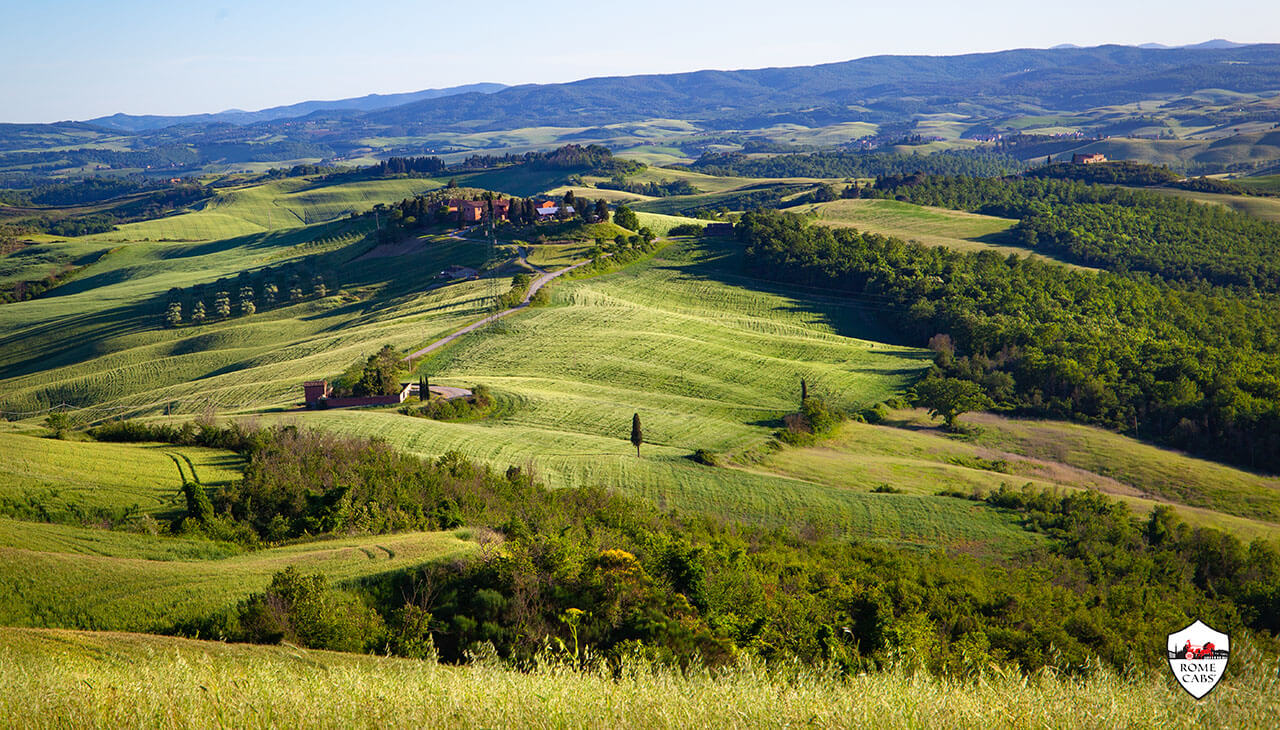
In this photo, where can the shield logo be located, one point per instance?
(1198, 656)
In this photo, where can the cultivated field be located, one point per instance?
(909, 452)
(64, 476)
(74, 577)
(66, 678)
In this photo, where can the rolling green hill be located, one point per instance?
(911, 454)
(934, 226)
(87, 578)
(62, 476)
(924, 224)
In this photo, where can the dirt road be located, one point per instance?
(537, 284)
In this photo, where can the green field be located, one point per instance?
(63, 475)
(924, 224)
(1268, 209)
(1269, 183)
(709, 359)
(912, 454)
(271, 206)
(68, 678)
(73, 577)
(555, 256)
(662, 224)
(100, 341)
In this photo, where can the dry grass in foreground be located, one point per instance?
(78, 679)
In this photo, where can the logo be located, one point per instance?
(1198, 657)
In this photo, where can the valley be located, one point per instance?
(856, 393)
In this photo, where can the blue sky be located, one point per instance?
(74, 59)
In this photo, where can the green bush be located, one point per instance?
(303, 610)
(703, 456)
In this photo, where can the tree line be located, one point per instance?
(1112, 227)
(248, 293)
(1196, 369)
(591, 158)
(663, 189)
(859, 164)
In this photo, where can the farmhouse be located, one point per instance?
(318, 394)
(470, 211)
(1088, 158)
(474, 211)
(548, 209)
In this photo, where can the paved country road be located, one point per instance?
(537, 284)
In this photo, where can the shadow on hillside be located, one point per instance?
(721, 260)
(68, 340)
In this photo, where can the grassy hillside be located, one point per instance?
(924, 224)
(662, 224)
(63, 476)
(912, 454)
(56, 678)
(100, 342)
(1269, 183)
(95, 579)
(709, 359)
(1268, 209)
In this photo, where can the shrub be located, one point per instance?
(703, 456)
(303, 610)
(685, 229)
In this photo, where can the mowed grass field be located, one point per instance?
(72, 678)
(101, 343)
(62, 475)
(909, 452)
(931, 226)
(76, 577)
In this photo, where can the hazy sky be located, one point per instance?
(78, 59)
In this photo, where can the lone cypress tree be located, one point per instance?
(637, 436)
(804, 391)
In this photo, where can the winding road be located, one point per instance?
(538, 283)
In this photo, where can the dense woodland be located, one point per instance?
(859, 164)
(1106, 173)
(592, 158)
(1194, 368)
(1112, 227)
(583, 568)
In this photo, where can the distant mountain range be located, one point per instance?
(877, 89)
(1215, 44)
(1066, 77)
(372, 102)
(985, 92)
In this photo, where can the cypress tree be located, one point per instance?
(637, 436)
